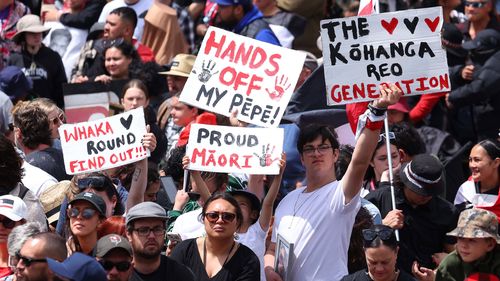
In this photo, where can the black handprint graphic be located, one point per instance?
(265, 159)
(206, 71)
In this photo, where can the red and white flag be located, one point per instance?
(368, 7)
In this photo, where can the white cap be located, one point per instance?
(13, 207)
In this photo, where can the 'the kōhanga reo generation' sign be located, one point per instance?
(404, 48)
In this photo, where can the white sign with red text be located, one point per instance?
(225, 149)
(105, 143)
(404, 48)
(233, 72)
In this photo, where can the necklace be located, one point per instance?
(205, 252)
(296, 210)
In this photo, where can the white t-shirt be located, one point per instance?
(36, 179)
(189, 226)
(467, 193)
(140, 7)
(255, 239)
(319, 225)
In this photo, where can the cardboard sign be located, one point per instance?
(404, 48)
(104, 143)
(225, 149)
(236, 72)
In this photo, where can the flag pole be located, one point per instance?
(389, 161)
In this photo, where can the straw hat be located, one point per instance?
(181, 65)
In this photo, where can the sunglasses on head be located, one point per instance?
(60, 118)
(475, 4)
(225, 216)
(8, 223)
(86, 213)
(96, 182)
(28, 261)
(383, 234)
(382, 136)
(120, 266)
(108, 43)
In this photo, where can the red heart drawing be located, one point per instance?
(390, 26)
(432, 24)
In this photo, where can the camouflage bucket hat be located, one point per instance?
(477, 223)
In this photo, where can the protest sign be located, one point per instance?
(104, 143)
(404, 48)
(225, 149)
(233, 72)
(91, 100)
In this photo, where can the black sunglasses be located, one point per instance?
(8, 223)
(120, 266)
(87, 213)
(384, 234)
(225, 216)
(108, 43)
(475, 4)
(28, 261)
(96, 182)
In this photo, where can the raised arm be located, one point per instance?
(140, 176)
(367, 141)
(267, 204)
(201, 186)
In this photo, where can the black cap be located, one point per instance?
(423, 175)
(94, 199)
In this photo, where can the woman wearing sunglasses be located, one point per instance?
(85, 212)
(381, 251)
(378, 169)
(56, 118)
(217, 256)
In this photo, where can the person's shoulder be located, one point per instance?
(379, 193)
(360, 275)
(404, 276)
(176, 270)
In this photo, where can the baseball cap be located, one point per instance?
(423, 175)
(111, 242)
(78, 267)
(145, 210)
(476, 223)
(401, 106)
(14, 83)
(485, 40)
(181, 65)
(94, 199)
(13, 207)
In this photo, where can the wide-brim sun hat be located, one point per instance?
(29, 23)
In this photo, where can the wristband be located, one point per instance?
(370, 121)
(376, 110)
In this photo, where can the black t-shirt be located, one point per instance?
(51, 161)
(169, 269)
(425, 227)
(243, 265)
(362, 275)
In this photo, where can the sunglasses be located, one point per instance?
(475, 4)
(59, 119)
(28, 261)
(213, 217)
(86, 213)
(381, 137)
(98, 183)
(8, 223)
(108, 43)
(384, 234)
(120, 266)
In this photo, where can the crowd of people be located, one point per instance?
(333, 212)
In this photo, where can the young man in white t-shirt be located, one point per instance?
(318, 218)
